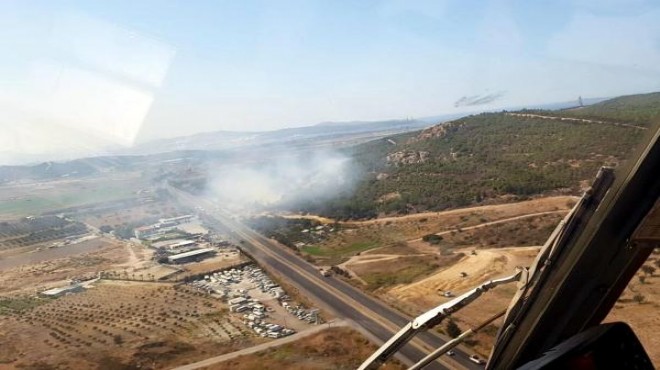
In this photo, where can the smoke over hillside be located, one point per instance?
(288, 179)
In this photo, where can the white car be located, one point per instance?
(477, 360)
(450, 353)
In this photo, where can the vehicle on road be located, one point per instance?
(477, 360)
(451, 353)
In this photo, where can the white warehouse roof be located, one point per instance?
(191, 253)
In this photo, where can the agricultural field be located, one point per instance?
(150, 325)
(18, 236)
(138, 213)
(34, 198)
(56, 266)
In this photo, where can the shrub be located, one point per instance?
(432, 239)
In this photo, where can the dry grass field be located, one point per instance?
(383, 232)
(33, 272)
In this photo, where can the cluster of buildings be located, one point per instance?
(313, 235)
(165, 237)
(163, 226)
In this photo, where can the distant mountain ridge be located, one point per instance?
(203, 146)
(219, 140)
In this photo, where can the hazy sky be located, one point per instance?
(82, 73)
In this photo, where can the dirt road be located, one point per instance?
(502, 221)
(374, 258)
(261, 347)
(548, 204)
(581, 120)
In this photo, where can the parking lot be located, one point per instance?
(262, 304)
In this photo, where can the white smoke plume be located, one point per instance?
(286, 180)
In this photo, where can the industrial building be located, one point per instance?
(182, 244)
(58, 292)
(191, 256)
(175, 220)
(147, 231)
(162, 226)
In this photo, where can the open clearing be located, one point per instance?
(100, 254)
(221, 261)
(488, 264)
(359, 236)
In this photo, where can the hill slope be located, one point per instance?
(641, 109)
(491, 157)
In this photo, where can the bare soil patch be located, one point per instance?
(222, 260)
(488, 264)
(28, 277)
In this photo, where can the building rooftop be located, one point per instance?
(191, 253)
(60, 290)
(182, 243)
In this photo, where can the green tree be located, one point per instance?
(452, 329)
(432, 238)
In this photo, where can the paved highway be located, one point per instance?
(339, 297)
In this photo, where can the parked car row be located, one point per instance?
(222, 284)
(309, 315)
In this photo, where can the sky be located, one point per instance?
(76, 76)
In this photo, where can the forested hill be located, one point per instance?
(492, 157)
